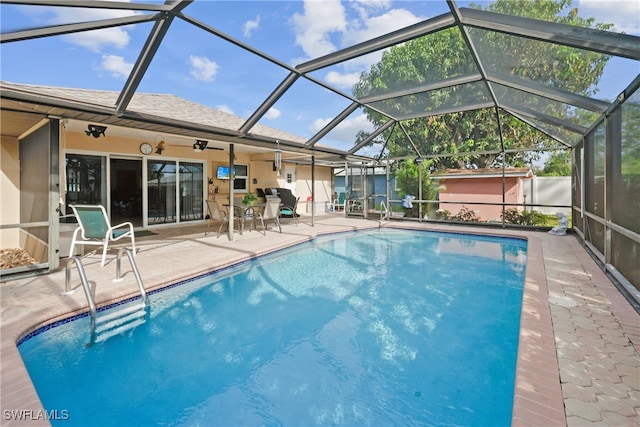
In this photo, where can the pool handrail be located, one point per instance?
(116, 319)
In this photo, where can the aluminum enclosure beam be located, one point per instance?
(400, 36)
(58, 30)
(146, 55)
(604, 42)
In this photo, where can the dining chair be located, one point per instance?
(216, 215)
(271, 212)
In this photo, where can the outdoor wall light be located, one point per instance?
(200, 145)
(95, 130)
(159, 144)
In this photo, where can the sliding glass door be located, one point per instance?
(175, 191)
(191, 178)
(86, 181)
(161, 190)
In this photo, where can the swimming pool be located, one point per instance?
(385, 327)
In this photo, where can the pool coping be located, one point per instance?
(538, 397)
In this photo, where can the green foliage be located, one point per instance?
(408, 181)
(444, 54)
(249, 198)
(443, 214)
(466, 215)
(558, 164)
(515, 216)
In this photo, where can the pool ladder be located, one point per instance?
(116, 321)
(385, 213)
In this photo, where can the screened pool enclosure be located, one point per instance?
(442, 88)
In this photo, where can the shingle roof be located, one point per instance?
(483, 173)
(155, 104)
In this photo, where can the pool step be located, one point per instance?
(113, 332)
(119, 320)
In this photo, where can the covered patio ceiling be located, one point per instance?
(543, 105)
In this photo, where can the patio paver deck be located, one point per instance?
(578, 361)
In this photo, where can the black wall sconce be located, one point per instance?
(95, 130)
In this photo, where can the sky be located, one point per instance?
(198, 67)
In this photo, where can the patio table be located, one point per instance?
(242, 213)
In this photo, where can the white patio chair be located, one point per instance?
(94, 228)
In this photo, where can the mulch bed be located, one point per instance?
(13, 257)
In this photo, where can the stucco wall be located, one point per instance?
(480, 190)
(260, 166)
(9, 191)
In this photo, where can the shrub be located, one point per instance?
(515, 216)
(466, 215)
(443, 214)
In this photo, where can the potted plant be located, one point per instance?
(248, 199)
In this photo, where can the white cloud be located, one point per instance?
(366, 7)
(202, 68)
(326, 27)
(249, 26)
(272, 114)
(98, 40)
(342, 80)
(95, 40)
(625, 14)
(314, 27)
(375, 26)
(116, 66)
(225, 109)
(345, 132)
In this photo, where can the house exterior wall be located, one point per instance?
(262, 171)
(110, 146)
(463, 192)
(10, 191)
(379, 186)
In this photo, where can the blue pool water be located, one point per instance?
(385, 327)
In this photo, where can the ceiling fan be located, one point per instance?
(201, 145)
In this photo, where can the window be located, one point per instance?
(241, 181)
(85, 180)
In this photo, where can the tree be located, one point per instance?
(444, 54)
(408, 181)
(558, 164)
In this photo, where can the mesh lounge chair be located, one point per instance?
(94, 228)
(291, 211)
(216, 215)
(271, 213)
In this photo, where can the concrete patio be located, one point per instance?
(578, 361)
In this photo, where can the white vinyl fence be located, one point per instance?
(548, 190)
